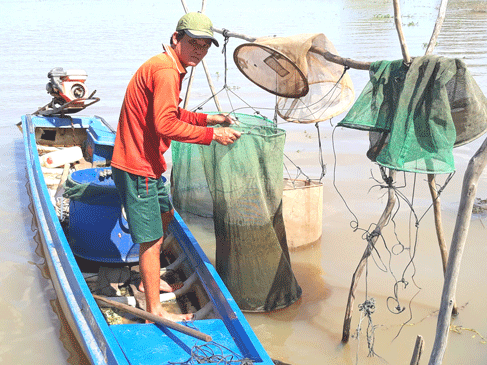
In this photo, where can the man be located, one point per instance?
(149, 119)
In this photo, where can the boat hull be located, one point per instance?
(137, 342)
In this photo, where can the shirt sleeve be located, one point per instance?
(171, 121)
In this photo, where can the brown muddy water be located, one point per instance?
(110, 42)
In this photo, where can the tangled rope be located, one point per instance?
(213, 352)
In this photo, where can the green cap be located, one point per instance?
(197, 25)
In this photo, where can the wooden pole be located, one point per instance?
(402, 40)
(205, 67)
(359, 65)
(390, 202)
(439, 228)
(469, 189)
(418, 350)
(188, 89)
(235, 35)
(431, 177)
(156, 319)
(368, 251)
(437, 28)
(438, 224)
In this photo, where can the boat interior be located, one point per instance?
(117, 278)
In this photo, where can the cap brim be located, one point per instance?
(199, 34)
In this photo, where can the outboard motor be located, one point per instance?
(70, 94)
(68, 85)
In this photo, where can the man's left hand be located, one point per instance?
(223, 119)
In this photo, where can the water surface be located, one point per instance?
(110, 40)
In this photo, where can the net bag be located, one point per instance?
(309, 88)
(245, 181)
(416, 115)
(192, 194)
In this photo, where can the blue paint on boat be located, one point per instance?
(128, 343)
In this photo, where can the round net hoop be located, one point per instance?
(271, 70)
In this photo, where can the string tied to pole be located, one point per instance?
(224, 52)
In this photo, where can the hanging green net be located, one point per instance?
(417, 114)
(245, 184)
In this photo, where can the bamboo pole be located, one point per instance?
(235, 35)
(438, 224)
(152, 317)
(469, 189)
(205, 67)
(191, 75)
(418, 351)
(402, 40)
(359, 65)
(431, 177)
(437, 28)
(188, 89)
(439, 228)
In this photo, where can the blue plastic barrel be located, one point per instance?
(97, 229)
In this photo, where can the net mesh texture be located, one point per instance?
(241, 186)
(417, 114)
(310, 88)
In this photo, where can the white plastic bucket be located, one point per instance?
(302, 207)
(61, 157)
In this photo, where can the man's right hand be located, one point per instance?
(225, 135)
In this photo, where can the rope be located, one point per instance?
(212, 352)
(322, 163)
(394, 301)
(224, 51)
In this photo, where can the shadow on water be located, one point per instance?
(67, 337)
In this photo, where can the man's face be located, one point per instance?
(191, 50)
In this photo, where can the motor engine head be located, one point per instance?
(66, 86)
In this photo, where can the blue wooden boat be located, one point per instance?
(68, 232)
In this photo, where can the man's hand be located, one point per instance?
(225, 135)
(224, 119)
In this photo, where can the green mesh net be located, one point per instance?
(417, 114)
(242, 186)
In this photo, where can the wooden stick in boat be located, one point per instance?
(64, 176)
(156, 319)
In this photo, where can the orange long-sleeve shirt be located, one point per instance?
(150, 118)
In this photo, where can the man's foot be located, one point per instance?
(172, 316)
(163, 286)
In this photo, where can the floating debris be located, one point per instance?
(479, 206)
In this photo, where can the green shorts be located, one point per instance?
(144, 200)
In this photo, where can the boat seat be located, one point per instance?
(99, 145)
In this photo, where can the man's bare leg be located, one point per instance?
(150, 268)
(163, 285)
